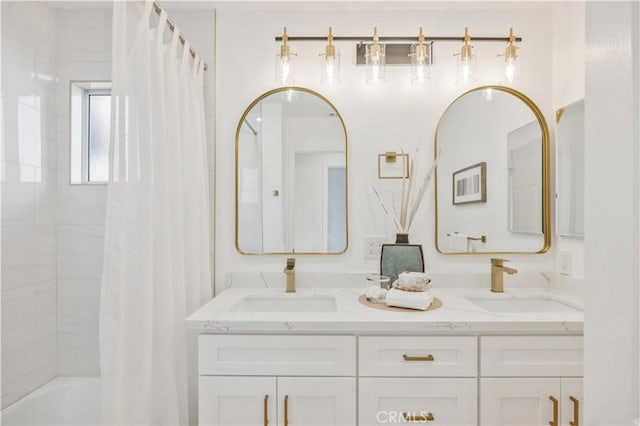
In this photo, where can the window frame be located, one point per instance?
(89, 88)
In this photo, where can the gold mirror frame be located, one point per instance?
(346, 169)
(546, 184)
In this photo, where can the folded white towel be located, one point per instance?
(409, 299)
(458, 242)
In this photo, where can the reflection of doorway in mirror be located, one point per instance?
(315, 197)
(336, 198)
(525, 179)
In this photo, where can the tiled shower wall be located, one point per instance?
(83, 47)
(29, 340)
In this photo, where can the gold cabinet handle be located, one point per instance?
(265, 410)
(418, 358)
(576, 411)
(554, 422)
(413, 418)
(286, 410)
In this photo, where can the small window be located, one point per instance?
(90, 132)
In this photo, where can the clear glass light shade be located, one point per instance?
(375, 62)
(466, 69)
(510, 70)
(284, 70)
(330, 68)
(420, 64)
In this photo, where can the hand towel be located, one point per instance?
(409, 299)
(458, 242)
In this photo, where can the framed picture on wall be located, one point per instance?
(470, 184)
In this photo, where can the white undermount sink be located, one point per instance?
(286, 303)
(530, 305)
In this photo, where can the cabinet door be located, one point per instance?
(310, 401)
(433, 401)
(571, 402)
(518, 401)
(226, 401)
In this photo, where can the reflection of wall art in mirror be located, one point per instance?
(392, 165)
(470, 184)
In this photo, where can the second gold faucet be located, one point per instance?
(497, 276)
(290, 272)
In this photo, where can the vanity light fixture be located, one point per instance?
(420, 61)
(465, 68)
(330, 62)
(375, 60)
(284, 62)
(510, 67)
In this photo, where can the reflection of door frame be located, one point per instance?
(325, 198)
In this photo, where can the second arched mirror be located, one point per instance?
(492, 179)
(291, 175)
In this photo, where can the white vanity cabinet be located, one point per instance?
(418, 379)
(277, 380)
(530, 380)
(439, 380)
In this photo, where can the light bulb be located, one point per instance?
(284, 63)
(330, 62)
(375, 60)
(466, 63)
(420, 61)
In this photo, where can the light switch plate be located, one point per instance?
(373, 246)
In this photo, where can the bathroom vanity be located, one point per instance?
(319, 356)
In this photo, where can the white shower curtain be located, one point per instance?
(157, 246)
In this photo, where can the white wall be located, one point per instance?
(390, 117)
(569, 86)
(29, 344)
(612, 213)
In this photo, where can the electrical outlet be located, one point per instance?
(565, 263)
(373, 246)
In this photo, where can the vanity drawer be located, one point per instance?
(437, 401)
(531, 356)
(261, 355)
(418, 356)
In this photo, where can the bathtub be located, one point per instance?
(62, 401)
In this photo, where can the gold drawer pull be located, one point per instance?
(286, 410)
(265, 410)
(418, 358)
(576, 412)
(554, 422)
(413, 418)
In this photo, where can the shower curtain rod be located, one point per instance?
(172, 27)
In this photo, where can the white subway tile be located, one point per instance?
(80, 204)
(45, 197)
(78, 354)
(84, 35)
(78, 306)
(80, 249)
(18, 194)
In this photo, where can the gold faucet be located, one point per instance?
(497, 277)
(290, 271)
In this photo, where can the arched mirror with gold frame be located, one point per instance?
(492, 183)
(291, 175)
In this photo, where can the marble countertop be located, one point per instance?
(457, 315)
